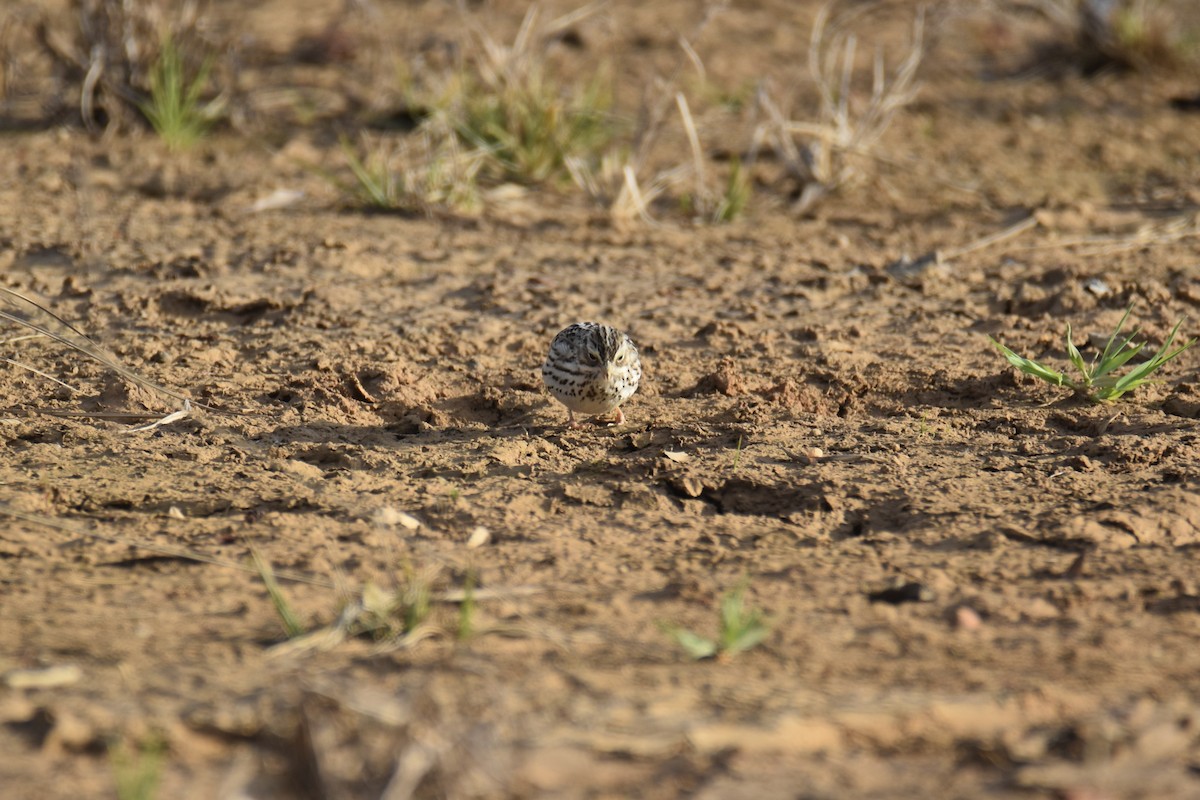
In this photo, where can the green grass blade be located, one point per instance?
(138, 772)
(740, 629)
(417, 604)
(1140, 374)
(1163, 354)
(192, 100)
(1117, 360)
(1076, 358)
(1031, 367)
(748, 638)
(291, 623)
(696, 646)
(736, 196)
(1117, 332)
(372, 186)
(731, 608)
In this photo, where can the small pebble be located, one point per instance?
(390, 517)
(479, 537)
(967, 619)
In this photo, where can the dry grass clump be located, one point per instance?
(627, 181)
(837, 145)
(495, 114)
(40, 322)
(625, 185)
(621, 180)
(1129, 34)
(502, 103)
(123, 61)
(505, 101)
(421, 173)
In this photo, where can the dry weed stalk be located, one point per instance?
(518, 62)
(113, 48)
(615, 186)
(841, 147)
(26, 313)
(620, 182)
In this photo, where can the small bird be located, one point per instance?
(592, 369)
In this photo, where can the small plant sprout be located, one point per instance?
(740, 629)
(390, 615)
(287, 615)
(736, 196)
(137, 771)
(374, 184)
(1099, 381)
(174, 108)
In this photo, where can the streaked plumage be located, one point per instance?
(592, 369)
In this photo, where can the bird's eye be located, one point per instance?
(591, 357)
(619, 359)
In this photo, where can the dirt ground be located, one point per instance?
(977, 585)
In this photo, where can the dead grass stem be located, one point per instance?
(840, 145)
(27, 313)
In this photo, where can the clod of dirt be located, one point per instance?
(121, 395)
(726, 379)
(688, 485)
(799, 397)
(333, 45)
(1183, 402)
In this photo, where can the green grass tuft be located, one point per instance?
(529, 125)
(736, 196)
(421, 177)
(1098, 380)
(137, 772)
(174, 108)
(740, 629)
(392, 614)
(287, 615)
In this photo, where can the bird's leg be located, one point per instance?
(573, 423)
(620, 420)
